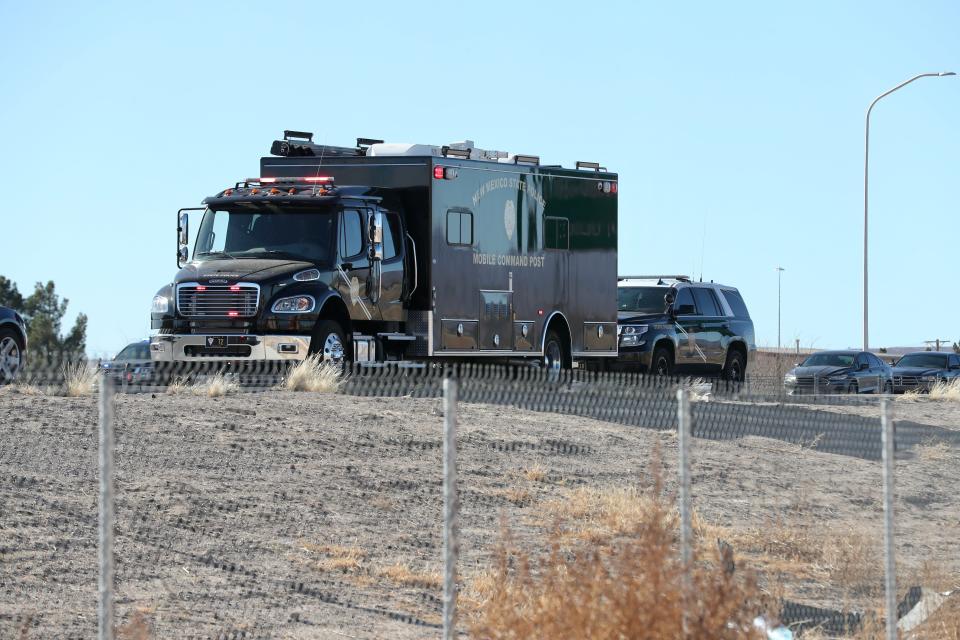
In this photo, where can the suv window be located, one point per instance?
(735, 300)
(955, 361)
(706, 303)
(874, 361)
(684, 303)
(351, 234)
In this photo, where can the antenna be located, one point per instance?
(703, 244)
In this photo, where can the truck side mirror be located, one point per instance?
(183, 229)
(183, 238)
(375, 235)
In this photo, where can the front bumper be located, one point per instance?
(194, 348)
(820, 386)
(632, 359)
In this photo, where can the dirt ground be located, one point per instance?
(308, 515)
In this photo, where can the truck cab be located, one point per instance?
(277, 262)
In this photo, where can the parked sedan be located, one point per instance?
(840, 372)
(132, 366)
(921, 370)
(13, 344)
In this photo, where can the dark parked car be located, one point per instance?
(921, 370)
(848, 371)
(13, 344)
(132, 366)
(668, 324)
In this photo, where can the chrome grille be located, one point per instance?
(218, 301)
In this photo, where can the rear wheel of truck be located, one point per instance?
(554, 353)
(329, 342)
(11, 355)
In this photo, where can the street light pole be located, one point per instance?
(866, 169)
(780, 271)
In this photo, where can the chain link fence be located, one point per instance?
(244, 509)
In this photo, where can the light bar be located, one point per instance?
(283, 180)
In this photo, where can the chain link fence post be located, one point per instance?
(684, 431)
(889, 560)
(451, 507)
(105, 523)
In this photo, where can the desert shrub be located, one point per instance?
(623, 580)
(78, 379)
(313, 374)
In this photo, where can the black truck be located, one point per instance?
(397, 252)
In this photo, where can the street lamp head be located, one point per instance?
(946, 73)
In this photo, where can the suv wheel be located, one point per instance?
(11, 355)
(662, 362)
(734, 369)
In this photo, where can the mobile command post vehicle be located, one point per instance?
(397, 252)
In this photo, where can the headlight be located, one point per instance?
(296, 304)
(161, 304)
(630, 334)
(790, 378)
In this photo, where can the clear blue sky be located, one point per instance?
(737, 123)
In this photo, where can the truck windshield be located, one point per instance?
(297, 235)
(641, 299)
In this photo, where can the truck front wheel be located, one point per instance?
(11, 355)
(329, 342)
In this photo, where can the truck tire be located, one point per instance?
(11, 355)
(330, 342)
(734, 369)
(555, 355)
(661, 364)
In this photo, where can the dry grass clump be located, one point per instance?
(334, 557)
(949, 391)
(795, 546)
(933, 450)
(602, 513)
(630, 586)
(535, 473)
(78, 379)
(941, 390)
(313, 374)
(403, 575)
(216, 386)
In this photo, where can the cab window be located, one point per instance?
(351, 234)
(392, 236)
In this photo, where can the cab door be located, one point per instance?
(690, 353)
(353, 266)
(391, 287)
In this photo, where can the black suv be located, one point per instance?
(13, 344)
(668, 324)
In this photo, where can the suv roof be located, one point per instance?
(664, 281)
